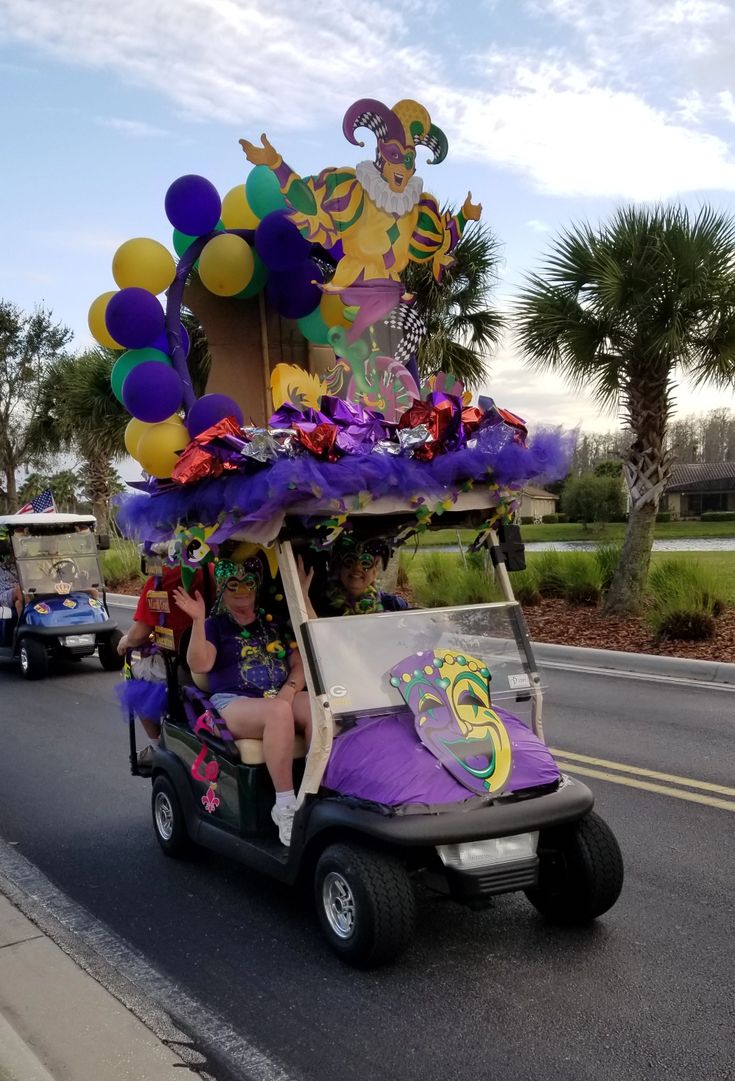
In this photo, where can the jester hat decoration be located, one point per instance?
(449, 696)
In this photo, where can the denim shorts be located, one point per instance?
(221, 701)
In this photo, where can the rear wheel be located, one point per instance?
(366, 904)
(33, 659)
(110, 659)
(168, 819)
(580, 872)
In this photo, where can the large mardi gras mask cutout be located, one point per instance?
(374, 220)
(449, 695)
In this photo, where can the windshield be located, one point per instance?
(358, 660)
(57, 562)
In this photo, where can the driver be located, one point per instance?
(353, 588)
(10, 594)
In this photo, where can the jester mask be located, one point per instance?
(449, 696)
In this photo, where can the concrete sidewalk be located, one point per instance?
(58, 1024)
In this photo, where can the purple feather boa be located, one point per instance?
(255, 502)
(142, 697)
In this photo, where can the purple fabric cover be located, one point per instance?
(382, 760)
(142, 697)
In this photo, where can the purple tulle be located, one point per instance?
(255, 501)
(142, 697)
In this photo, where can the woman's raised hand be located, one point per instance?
(193, 607)
(305, 576)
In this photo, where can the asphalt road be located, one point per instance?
(647, 992)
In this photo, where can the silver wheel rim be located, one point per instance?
(164, 813)
(339, 904)
(23, 659)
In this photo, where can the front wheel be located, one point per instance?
(366, 904)
(110, 659)
(168, 819)
(33, 659)
(580, 872)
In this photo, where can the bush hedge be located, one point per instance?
(718, 516)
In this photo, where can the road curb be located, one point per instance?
(638, 663)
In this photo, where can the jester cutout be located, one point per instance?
(375, 218)
(449, 696)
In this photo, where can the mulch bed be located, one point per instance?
(571, 625)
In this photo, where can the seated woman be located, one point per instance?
(256, 682)
(352, 588)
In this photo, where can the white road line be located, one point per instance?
(647, 786)
(127, 975)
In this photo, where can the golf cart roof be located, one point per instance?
(389, 513)
(47, 519)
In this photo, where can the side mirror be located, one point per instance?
(103, 542)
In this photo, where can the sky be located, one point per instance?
(556, 111)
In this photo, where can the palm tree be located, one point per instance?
(619, 311)
(461, 327)
(81, 413)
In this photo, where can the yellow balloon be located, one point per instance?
(237, 212)
(143, 263)
(96, 321)
(137, 428)
(226, 264)
(333, 311)
(157, 447)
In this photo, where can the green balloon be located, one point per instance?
(182, 241)
(263, 191)
(124, 365)
(313, 327)
(258, 280)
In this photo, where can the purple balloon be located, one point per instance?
(279, 243)
(211, 409)
(134, 317)
(292, 292)
(152, 392)
(193, 205)
(161, 341)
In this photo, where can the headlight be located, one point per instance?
(79, 640)
(489, 853)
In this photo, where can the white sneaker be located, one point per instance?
(283, 818)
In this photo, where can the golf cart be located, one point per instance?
(64, 615)
(416, 774)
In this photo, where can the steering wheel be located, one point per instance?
(64, 570)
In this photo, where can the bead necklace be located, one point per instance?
(256, 636)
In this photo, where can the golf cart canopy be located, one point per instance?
(52, 520)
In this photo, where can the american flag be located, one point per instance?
(42, 504)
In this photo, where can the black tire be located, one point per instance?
(168, 819)
(580, 874)
(33, 659)
(110, 659)
(366, 904)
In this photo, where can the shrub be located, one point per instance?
(607, 557)
(527, 520)
(440, 579)
(549, 572)
(525, 587)
(553, 519)
(664, 516)
(582, 579)
(121, 563)
(718, 516)
(686, 600)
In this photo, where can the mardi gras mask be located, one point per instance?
(350, 553)
(449, 696)
(239, 577)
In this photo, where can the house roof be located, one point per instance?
(702, 476)
(538, 493)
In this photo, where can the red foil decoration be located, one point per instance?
(320, 441)
(196, 464)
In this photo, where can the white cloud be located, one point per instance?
(538, 226)
(137, 129)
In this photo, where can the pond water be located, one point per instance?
(680, 544)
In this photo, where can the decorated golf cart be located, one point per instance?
(427, 761)
(63, 612)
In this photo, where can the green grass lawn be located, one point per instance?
(573, 531)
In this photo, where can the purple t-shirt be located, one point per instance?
(244, 666)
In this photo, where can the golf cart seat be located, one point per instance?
(250, 750)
